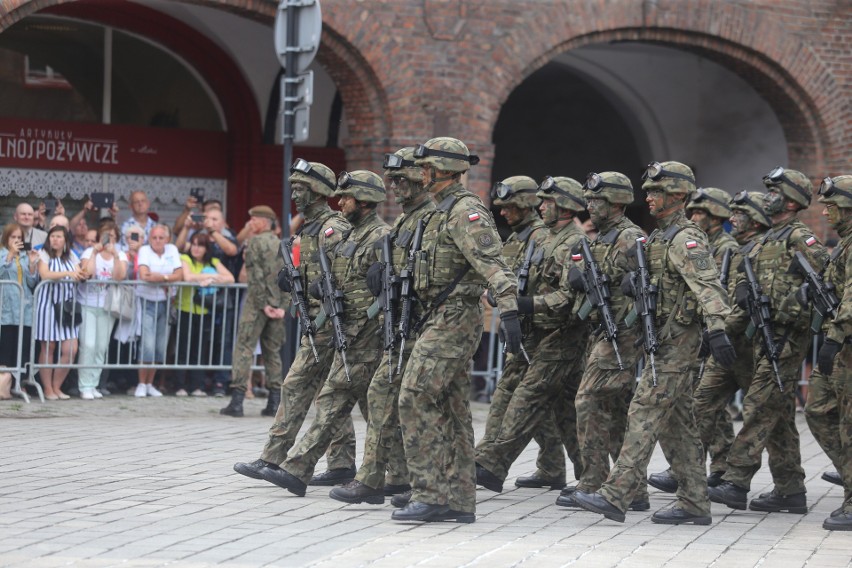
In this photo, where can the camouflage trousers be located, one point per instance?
(298, 391)
(769, 421)
(536, 400)
(434, 410)
(383, 449)
(254, 326)
(334, 404)
(663, 412)
(715, 389)
(829, 415)
(602, 403)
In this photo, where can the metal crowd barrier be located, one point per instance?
(207, 339)
(19, 369)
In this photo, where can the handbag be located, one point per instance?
(120, 302)
(69, 313)
(209, 298)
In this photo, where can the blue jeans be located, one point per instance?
(155, 319)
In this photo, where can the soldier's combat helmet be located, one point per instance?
(401, 163)
(792, 184)
(565, 191)
(670, 177)
(751, 203)
(445, 154)
(363, 185)
(614, 187)
(714, 201)
(837, 190)
(317, 176)
(519, 191)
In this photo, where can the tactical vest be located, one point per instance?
(675, 301)
(440, 261)
(835, 272)
(545, 275)
(770, 266)
(605, 254)
(356, 296)
(516, 245)
(309, 267)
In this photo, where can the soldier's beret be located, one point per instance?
(264, 211)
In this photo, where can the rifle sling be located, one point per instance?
(440, 299)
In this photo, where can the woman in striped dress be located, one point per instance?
(61, 266)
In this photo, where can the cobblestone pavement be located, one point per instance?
(148, 482)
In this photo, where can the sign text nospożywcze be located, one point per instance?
(57, 146)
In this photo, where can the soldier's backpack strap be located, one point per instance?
(524, 235)
(784, 234)
(610, 237)
(311, 229)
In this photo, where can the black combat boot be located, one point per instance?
(272, 402)
(235, 407)
(775, 502)
(664, 481)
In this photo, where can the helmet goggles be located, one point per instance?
(304, 167)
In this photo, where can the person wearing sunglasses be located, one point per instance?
(536, 399)
(605, 387)
(383, 470)
(829, 407)
(769, 409)
(360, 192)
(462, 255)
(312, 184)
(718, 385)
(680, 265)
(709, 208)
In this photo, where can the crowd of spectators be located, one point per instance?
(178, 311)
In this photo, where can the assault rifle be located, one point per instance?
(761, 319)
(406, 294)
(724, 271)
(297, 294)
(332, 304)
(388, 300)
(820, 294)
(596, 284)
(524, 280)
(645, 305)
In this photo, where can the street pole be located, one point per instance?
(289, 127)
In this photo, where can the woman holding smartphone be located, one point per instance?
(61, 266)
(18, 265)
(102, 261)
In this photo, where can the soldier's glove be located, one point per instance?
(704, 348)
(511, 331)
(826, 355)
(575, 279)
(721, 348)
(627, 285)
(741, 295)
(315, 290)
(374, 279)
(284, 281)
(802, 295)
(526, 304)
(489, 297)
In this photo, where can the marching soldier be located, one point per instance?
(681, 271)
(709, 208)
(354, 364)
(460, 255)
(312, 183)
(532, 398)
(607, 384)
(769, 406)
(829, 407)
(383, 442)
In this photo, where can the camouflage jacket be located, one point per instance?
(263, 262)
(322, 226)
(551, 302)
(461, 238)
(838, 272)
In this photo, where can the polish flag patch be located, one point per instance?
(642, 239)
(329, 232)
(576, 257)
(811, 241)
(691, 244)
(473, 217)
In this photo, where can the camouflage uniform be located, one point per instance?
(306, 376)
(383, 441)
(531, 399)
(433, 410)
(263, 262)
(769, 414)
(829, 407)
(605, 390)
